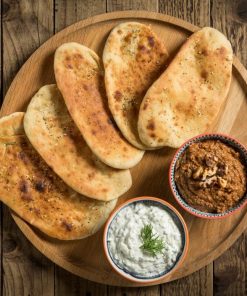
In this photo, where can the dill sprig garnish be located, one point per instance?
(151, 243)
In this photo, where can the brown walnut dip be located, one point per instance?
(210, 176)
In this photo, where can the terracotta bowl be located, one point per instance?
(177, 218)
(179, 198)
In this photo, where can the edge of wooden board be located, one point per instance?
(27, 230)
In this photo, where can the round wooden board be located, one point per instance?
(208, 239)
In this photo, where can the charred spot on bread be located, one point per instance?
(118, 95)
(78, 56)
(151, 41)
(142, 48)
(205, 52)
(40, 186)
(23, 186)
(128, 37)
(36, 211)
(204, 74)
(145, 106)
(151, 125)
(26, 197)
(222, 50)
(21, 155)
(68, 226)
(91, 175)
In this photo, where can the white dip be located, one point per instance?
(124, 239)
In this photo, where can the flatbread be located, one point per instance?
(133, 58)
(12, 125)
(31, 189)
(187, 98)
(80, 79)
(52, 132)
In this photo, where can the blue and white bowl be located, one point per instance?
(178, 219)
(179, 198)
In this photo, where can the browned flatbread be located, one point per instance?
(31, 189)
(187, 97)
(80, 79)
(54, 135)
(133, 58)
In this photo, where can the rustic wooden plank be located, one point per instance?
(230, 269)
(230, 17)
(114, 5)
(198, 13)
(199, 283)
(26, 24)
(68, 12)
(194, 11)
(26, 271)
(69, 284)
(148, 291)
(178, 8)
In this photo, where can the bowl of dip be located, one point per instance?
(145, 239)
(208, 176)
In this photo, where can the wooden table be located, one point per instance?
(26, 24)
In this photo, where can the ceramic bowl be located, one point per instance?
(179, 198)
(177, 218)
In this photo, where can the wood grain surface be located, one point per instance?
(26, 25)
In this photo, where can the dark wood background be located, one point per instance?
(25, 25)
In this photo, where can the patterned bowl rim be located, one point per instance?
(216, 136)
(178, 262)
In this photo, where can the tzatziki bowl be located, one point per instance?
(145, 239)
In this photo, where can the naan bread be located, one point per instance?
(11, 125)
(80, 79)
(133, 58)
(187, 98)
(54, 135)
(31, 189)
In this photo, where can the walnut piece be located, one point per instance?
(209, 172)
(208, 182)
(197, 174)
(222, 169)
(222, 182)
